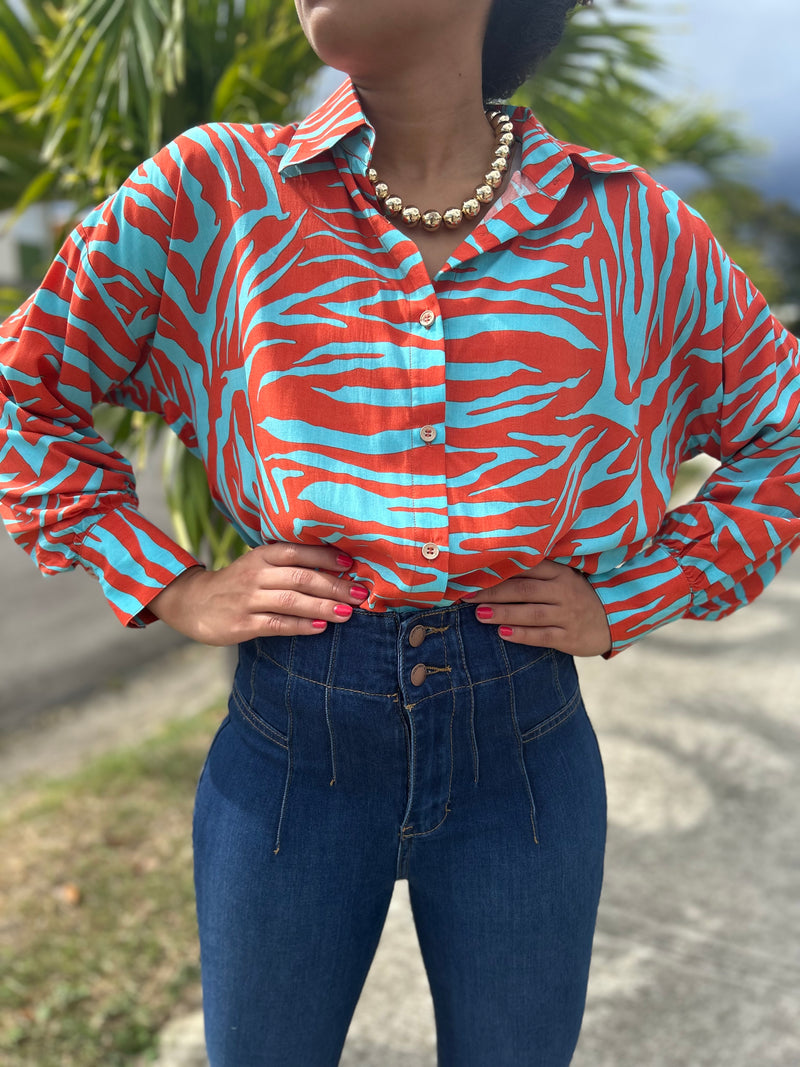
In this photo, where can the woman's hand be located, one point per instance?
(552, 606)
(279, 589)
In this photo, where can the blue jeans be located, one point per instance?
(417, 746)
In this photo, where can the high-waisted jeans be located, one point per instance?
(399, 745)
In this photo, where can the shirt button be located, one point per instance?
(428, 434)
(430, 551)
(427, 319)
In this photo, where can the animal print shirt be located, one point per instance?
(531, 401)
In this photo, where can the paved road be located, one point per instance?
(58, 637)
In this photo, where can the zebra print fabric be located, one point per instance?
(531, 401)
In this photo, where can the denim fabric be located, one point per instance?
(335, 774)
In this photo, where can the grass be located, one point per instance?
(98, 946)
(10, 299)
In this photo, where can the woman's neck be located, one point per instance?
(427, 128)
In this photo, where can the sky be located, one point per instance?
(742, 58)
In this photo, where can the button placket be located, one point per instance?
(429, 433)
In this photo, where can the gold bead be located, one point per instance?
(372, 174)
(501, 164)
(494, 178)
(392, 205)
(500, 118)
(505, 138)
(453, 217)
(471, 208)
(431, 221)
(485, 193)
(381, 190)
(502, 150)
(505, 127)
(411, 216)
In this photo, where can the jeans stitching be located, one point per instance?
(405, 833)
(268, 731)
(471, 687)
(396, 704)
(520, 747)
(316, 681)
(555, 673)
(252, 700)
(388, 696)
(253, 720)
(328, 690)
(411, 765)
(452, 717)
(423, 833)
(555, 720)
(289, 761)
(225, 722)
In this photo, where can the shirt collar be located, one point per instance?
(334, 121)
(548, 165)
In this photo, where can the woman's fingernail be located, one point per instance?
(359, 593)
(344, 611)
(485, 613)
(505, 631)
(469, 596)
(319, 624)
(344, 560)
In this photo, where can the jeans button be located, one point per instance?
(419, 674)
(417, 636)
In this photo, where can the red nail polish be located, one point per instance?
(505, 631)
(344, 611)
(469, 596)
(358, 593)
(485, 613)
(319, 624)
(345, 562)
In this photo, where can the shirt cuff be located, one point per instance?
(133, 560)
(648, 591)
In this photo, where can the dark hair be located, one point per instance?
(519, 35)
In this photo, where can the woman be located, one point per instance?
(451, 443)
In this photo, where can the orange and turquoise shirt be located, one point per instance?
(531, 401)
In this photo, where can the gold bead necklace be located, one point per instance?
(393, 208)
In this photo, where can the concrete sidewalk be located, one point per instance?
(697, 955)
(697, 958)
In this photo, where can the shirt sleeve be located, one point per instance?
(66, 496)
(719, 551)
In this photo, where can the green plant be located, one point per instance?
(597, 89)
